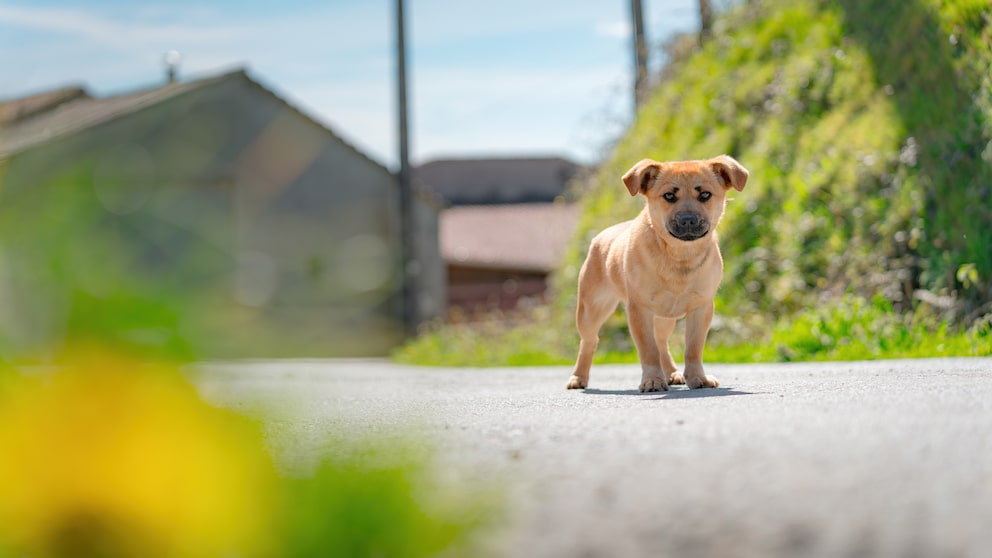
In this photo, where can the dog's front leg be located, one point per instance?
(641, 321)
(697, 325)
(663, 328)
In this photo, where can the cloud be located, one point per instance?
(119, 34)
(613, 29)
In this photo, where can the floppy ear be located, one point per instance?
(640, 175)
(729, 171)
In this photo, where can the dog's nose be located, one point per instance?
(688, 220)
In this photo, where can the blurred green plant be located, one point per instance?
(71, 270)
(383, 504)
(106, 456)
(155, 267)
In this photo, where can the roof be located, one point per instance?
(79, 113)
(498, 180)
(39, 118)
(18, 109)
(521, 237)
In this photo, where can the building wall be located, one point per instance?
(432, 276)
(474, 289)
(267, 233)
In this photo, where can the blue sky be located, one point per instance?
(507, 77)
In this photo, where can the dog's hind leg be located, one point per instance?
(590, 314)
(663, 328)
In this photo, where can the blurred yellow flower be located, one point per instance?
(111, 457)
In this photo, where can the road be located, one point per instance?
(888, 458)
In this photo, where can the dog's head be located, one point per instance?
(687, 197)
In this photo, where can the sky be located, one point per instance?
(486, 77)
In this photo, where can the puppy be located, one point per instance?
(664, 265)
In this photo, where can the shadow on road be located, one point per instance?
(674, 393)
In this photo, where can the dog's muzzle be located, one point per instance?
(688, 226)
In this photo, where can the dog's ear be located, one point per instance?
(729, 171)
(640, 176)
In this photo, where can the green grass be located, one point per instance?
(851, 328)
(496, 341)
(854, 329)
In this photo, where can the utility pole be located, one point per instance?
(640, 53)
(408, 261)
(705, 20)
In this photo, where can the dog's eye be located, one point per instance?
(703, 196)
(669, 197)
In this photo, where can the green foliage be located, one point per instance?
(935, 58)
(855, 329)
(383, 504)
(495, 341)
(154, 269)
(79, 275)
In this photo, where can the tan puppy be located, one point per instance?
(663, 265)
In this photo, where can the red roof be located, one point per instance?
(521, 237)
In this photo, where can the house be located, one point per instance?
(209, 212)
(500, 255)
(498, 180)
(506, 229)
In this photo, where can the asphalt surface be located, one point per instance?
(889, 458)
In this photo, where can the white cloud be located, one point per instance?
(613, 29)
(119, 34)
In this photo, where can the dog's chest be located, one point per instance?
(673, 294)
(673, 305)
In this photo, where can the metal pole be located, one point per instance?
(640, 52)
(407, 229)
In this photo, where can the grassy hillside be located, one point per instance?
(864, 141)
(866, 228)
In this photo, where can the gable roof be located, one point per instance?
(519, 237)
(497, 180)
(82, 112)
(43, 117)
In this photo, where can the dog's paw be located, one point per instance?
(702, 381)
(676, 379)
(576, 382)
(653, 383)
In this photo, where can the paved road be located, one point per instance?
(890, 458)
